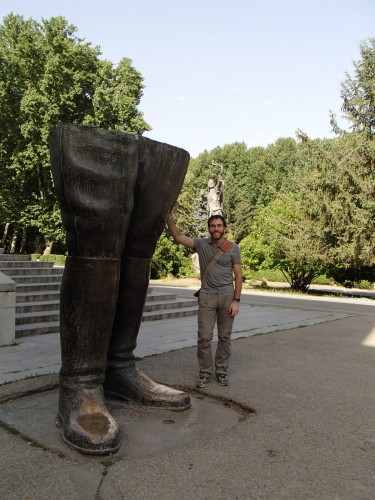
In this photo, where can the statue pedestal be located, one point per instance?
(195, 261)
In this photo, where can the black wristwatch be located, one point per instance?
(237, 299)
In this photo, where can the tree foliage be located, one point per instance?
(326, 223)
(49, 75)
(285, 237)
(252, 178)
(358, 91)
(339, 191)
(170, 259)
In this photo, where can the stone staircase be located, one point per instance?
(38, 297)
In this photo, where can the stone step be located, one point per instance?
(38, 317)
(41, 328)
(38, 287)
(33, 311)
(14, 272)
(37, 292)
(159, 296)
(38, 279)
(169, 313)
(41, 295)
(24, 330)
(4, 257)
(37, 306)
(169, 304)
(38, 297)
(24, 264)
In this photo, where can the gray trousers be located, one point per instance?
(213, 308)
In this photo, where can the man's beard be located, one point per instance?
(217, 235)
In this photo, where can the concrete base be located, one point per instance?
(7, 310)
(145, 431)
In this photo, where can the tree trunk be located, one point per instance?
(23, 240)
(14, 241)
(5, 235)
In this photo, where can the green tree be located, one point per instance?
(117, 95)
(170, 259)
(339, 192)
(269, 171)
(358, 92)
(353, 250)
(285, 236)
(327, 221)
(47, 76)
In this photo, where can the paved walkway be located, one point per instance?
(312, 436)
(40, 354)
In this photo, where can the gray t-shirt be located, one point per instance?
(220, 277)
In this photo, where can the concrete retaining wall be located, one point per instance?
(7, 310)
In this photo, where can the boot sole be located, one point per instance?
(87, 451)
(166, 405)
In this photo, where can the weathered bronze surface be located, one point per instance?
(115, 192)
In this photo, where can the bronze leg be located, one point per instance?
(123, 379)
(162, 170)
(94, 173)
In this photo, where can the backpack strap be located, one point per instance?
(226, 246)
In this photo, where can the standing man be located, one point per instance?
(219, 302)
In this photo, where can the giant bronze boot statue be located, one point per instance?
(160, 180)
(115, 191)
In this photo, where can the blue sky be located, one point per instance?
(218, 72)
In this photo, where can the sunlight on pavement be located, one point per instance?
(369, 341)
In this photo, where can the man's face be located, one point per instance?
(216, 229)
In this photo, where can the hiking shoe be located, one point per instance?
(201, 381)
(222, 379)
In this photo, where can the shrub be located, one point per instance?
(59, 260)
(323, 280)
(350, 277)
(35, 256)
(265, 274)
(364, 285)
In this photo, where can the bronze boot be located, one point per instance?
(123, 379)
(88, 298)
(94, 170)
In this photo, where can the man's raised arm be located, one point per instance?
(177, 236)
